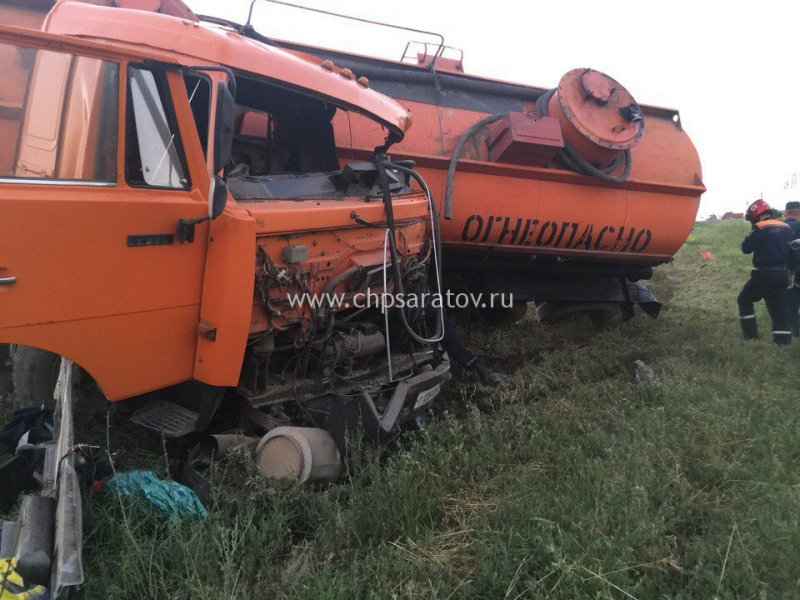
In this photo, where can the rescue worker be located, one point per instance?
(456, 350)
(451, 341)
(768, 242)
(792, 219)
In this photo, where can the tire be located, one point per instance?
(35, 373)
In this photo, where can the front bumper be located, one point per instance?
(410, 397)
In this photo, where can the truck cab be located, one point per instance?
(167, 187)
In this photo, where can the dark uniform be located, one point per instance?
(451, 341)
(768, 242)
(793, 293)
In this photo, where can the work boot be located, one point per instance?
(782, 338)
(488, 376)
(749, 328)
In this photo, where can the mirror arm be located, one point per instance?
(184, 232)
(226, 70)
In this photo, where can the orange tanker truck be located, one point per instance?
(145, 238)
(565, 196)
(168, 183)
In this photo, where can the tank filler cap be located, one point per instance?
(600, 108)
(597, 86)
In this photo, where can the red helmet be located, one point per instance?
(756, 209)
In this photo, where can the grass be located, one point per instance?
(573, 483)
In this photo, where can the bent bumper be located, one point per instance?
(409, 398)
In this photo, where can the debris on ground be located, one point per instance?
(185, 470)
(14, 478)
(298, 455)
(643, 373)
(28, 426)
(22, 442)
(177, 501)
(13, 586)
(32, 538)
(707, 254)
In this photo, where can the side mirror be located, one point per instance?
(217, 197)
(223, 129)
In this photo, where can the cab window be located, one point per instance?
(153, 151)
(58, 116)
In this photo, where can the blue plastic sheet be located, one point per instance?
(177, 501)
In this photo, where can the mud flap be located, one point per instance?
(641, 295)
(61, 481)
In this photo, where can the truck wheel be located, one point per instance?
(35, 373)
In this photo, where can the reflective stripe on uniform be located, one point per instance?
(748, 317)
(781, 333)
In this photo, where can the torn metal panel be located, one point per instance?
(62, 482)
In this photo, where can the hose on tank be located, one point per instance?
(570, 157)
(451, 171)
(381, 164)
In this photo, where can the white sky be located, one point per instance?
(730, 68)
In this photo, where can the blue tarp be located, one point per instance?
(177, 501)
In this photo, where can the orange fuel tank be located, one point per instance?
(639, 212)
(579, 176)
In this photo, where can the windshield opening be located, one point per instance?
(280, 132)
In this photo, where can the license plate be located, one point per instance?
(425, 397)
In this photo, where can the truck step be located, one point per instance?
(168, 418)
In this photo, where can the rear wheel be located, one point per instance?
(35, 373)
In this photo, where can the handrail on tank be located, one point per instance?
(436, 56)
(439, 51)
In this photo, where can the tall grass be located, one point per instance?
(573, 483)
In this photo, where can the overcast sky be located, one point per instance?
(729, 68)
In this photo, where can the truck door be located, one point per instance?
(99, 160)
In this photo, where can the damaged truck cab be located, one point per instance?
(154, 238)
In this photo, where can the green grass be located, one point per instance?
(574, 483)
